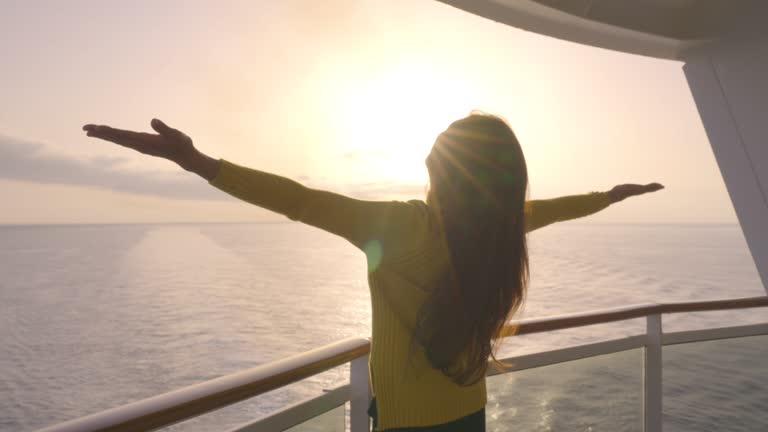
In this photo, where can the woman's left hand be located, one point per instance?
(621, 192)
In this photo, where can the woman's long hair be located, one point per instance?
(478, 182)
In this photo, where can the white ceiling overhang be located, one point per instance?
(659, 28)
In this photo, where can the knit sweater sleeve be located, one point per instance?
(384, 229)
(540, 213)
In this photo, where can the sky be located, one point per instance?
(342, 95)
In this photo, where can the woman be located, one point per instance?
(445, 275)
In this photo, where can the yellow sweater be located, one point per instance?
(406, 254)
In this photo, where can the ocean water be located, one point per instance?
(95, 316)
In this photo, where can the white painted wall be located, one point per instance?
(729, 82)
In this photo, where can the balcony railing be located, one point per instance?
(196, 400)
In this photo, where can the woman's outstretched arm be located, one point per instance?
(385, 229)
(540, 213)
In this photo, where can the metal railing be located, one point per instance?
(193, 401)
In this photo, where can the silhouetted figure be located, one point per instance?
(445, 274)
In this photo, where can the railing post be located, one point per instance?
(359, 395)
(652, 375)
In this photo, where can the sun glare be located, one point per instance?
(393, 117)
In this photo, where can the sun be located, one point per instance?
(394, 116)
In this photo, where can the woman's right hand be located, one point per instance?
(168, 143)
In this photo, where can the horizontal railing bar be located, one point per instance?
(538, 325)
(689, 336)
(195, 400)
(298, 413)
(713, 305)
(540, 359)
(562, 355)
(173, 407)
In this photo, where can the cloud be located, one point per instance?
(25, 161)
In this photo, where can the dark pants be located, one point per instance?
(474, 422)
